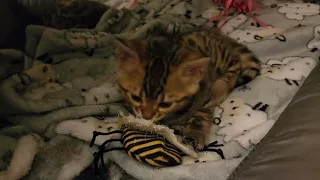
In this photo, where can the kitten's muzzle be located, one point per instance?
(148, 111)
(147, 114)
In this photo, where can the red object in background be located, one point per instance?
(242, 6)
(134, 3)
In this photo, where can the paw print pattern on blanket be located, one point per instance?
(86, 40)
(104, 93)
(314, 44)
(237, 118)
(40, 74)
(83, 128)
(254, 135)
(252, 34)
(289, 68)
(40, 80)
(203, 157)
(119, 4)
(39, 93)
(211, 12)
(297, 11)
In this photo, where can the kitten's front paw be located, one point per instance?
(200, 146)
(200, 141)
(198, 131)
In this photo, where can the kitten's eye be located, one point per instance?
(165, 104)
(136, 98)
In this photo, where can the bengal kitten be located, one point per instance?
(166, 74)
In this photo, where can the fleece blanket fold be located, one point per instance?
(74, 92)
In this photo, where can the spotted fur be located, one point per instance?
(182, 75)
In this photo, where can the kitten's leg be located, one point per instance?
(250, 69)
(220, 91)
(222, 87)
(199, 123)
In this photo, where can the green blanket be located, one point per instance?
(84, 61)
(84, 82)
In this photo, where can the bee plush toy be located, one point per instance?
(155, 145)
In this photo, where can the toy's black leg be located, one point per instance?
(99, 156)
(100, 174)
(102, 151)
(96, 157)
(109, 141)
(214, 144)
(102, 163)
(218, 151)
(113, 149)
(95, 134)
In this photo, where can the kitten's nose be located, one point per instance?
(148, 109)
(147, 114)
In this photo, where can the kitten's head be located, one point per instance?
(157, 77)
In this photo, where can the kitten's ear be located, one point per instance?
(126, 55)
(123, 50)
(193, 71)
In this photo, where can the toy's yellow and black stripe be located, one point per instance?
(150, 148)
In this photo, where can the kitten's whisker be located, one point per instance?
(137, 113)
(156, 119)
